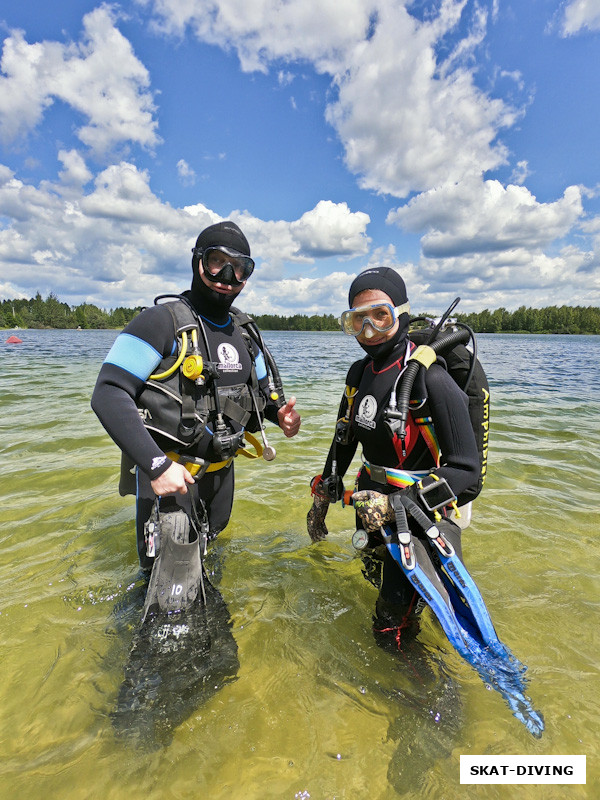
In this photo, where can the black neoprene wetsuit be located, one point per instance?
(135, 355)
(448, 406)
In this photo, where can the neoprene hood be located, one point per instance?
(385, 279)
(211, 304)
(223, 234)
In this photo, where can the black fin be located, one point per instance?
(176, 577)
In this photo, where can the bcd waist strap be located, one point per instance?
(195, 465)
(399, 478)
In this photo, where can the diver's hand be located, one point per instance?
(315, 519)
(373, 508)
(173, 480)
(288, 418)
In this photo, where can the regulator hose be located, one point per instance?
(423, 356)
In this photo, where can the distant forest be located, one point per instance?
(51, 313)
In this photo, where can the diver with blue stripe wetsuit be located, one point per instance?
(185, 384)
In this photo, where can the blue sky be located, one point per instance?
(453, 140)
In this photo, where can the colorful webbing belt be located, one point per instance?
(395, 477)
(428, 433)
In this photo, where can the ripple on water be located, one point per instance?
(318, 707)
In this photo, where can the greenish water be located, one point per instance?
(318, 709)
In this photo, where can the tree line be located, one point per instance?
(552, 319)
(51, 313)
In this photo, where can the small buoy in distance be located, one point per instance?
(14, 340)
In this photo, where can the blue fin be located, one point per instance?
(440, 605)
(465, 596)
(461, 611)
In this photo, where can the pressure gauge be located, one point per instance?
(360, 539)
(269, 453)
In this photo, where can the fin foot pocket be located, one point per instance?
(176, 578)
(176, 525)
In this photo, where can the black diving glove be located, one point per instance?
(315, 519)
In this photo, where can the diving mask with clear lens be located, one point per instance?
(222, 265)
(380, 316)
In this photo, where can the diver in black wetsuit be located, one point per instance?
(198, 417)
(379, 318)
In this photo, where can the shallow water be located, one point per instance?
(318, 709)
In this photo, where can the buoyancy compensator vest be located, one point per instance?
(184, 395)
(455, 343)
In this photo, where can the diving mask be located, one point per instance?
(380, 316)
(222, 265)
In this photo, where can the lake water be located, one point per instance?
(318, 709)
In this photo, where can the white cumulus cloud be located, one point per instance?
(327, 230)
(580, 14)
(410, 113)
(299, 295)
(332, 229)
(117, 243)
(75, 169)
(406, 120)
(187, 175)
(263, 31)
(99, 77)
(484, 216)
